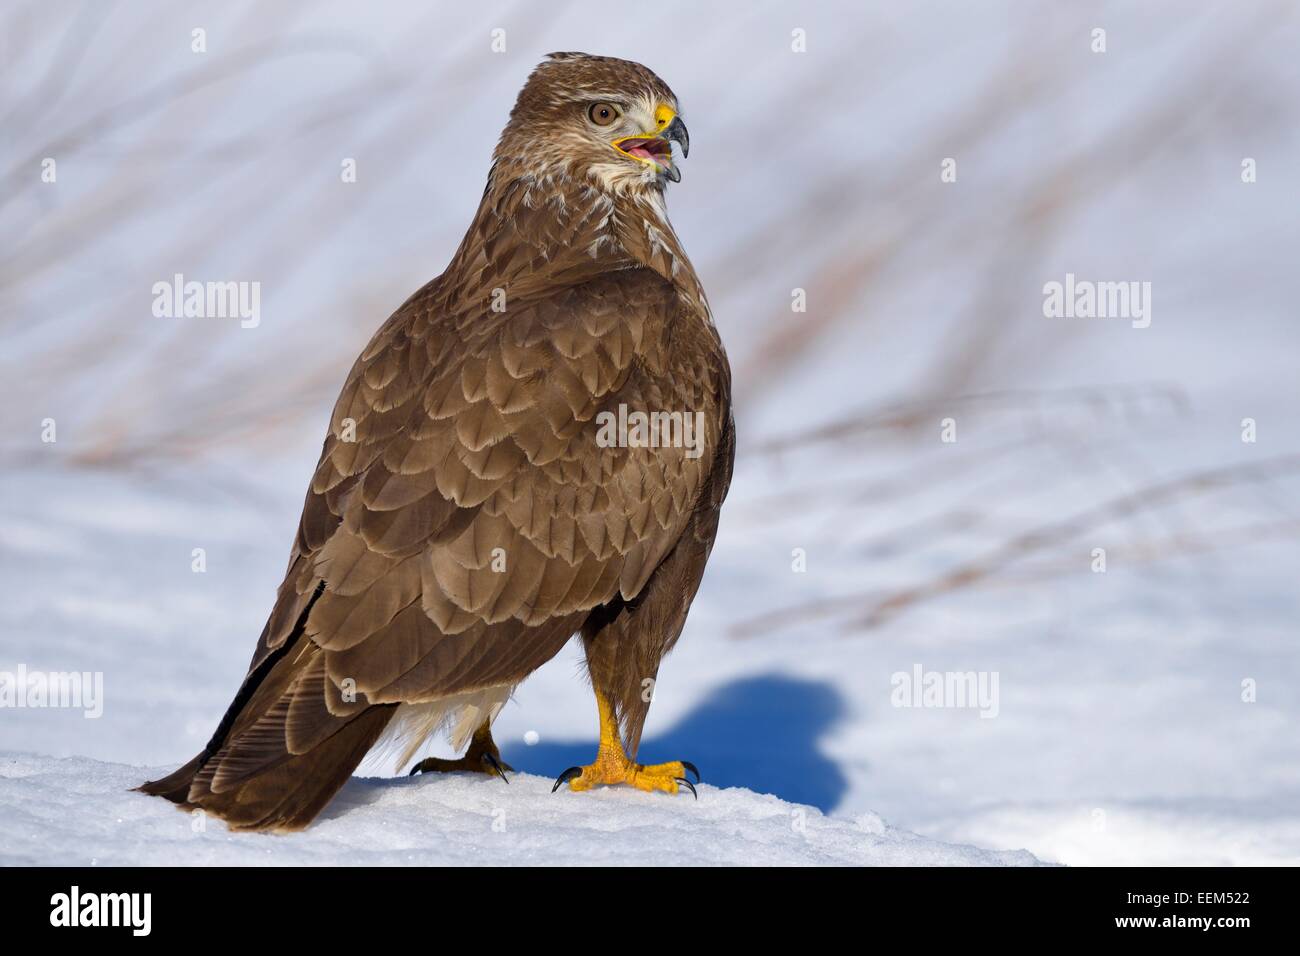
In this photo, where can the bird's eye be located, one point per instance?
(603, 114)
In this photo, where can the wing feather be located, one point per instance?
(463, 519)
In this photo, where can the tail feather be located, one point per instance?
(176, 785)
(285, 747)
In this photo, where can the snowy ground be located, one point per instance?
(1120, 735)
(78, 812)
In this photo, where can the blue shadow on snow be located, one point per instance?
(760, 733)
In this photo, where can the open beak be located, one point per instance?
(656, 148)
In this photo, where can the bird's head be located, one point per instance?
(597, 119)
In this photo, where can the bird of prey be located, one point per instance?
(475, 506)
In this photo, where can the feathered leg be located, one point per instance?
(624, 643)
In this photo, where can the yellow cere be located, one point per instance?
(663, 116)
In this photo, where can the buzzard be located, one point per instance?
(474, 508)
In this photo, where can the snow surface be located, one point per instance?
(78, 811)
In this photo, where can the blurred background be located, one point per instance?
(1147, 713)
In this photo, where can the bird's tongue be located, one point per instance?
(643, 153)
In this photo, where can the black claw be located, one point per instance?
(693, 769)
(416, 769)
(566, 777)
(495, 765)
(688, 785)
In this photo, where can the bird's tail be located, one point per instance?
(288, 742)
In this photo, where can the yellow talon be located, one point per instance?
(612, 765)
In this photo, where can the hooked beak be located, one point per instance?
(676, 133)
(656, 148)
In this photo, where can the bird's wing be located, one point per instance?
(463, 518)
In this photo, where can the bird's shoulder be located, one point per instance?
(454, 452)
(619, 330)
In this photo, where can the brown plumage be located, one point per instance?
(464, 522)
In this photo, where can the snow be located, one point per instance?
(78, 811)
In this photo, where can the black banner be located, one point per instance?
(351, 906)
